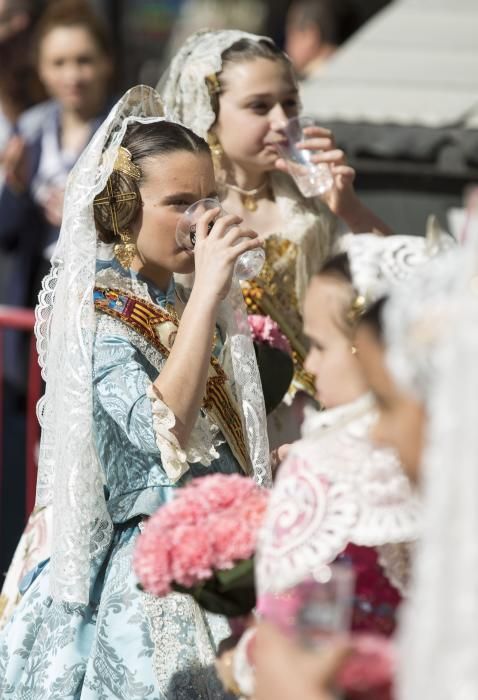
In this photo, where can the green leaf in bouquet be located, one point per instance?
(240, 576)
(229, 592)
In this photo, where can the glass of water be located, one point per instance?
(311, 178)
(247, 265)
(325, 605)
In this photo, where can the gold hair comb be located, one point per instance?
(124, 164)
(213, 86)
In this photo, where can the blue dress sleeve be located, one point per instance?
(121, 379)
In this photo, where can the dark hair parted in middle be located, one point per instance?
(240, 52)
(143, 141)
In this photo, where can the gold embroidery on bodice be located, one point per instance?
(273, 293)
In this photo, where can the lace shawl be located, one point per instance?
(335, 487)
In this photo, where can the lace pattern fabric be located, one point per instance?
(183, 86)
(378, 263)
(69, 475)
(247, 383)
(200, 447)
(431, 330)
(334, 488)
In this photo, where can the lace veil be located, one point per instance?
(183, 86)
(432, 336)
(378, 263)
(69, 474)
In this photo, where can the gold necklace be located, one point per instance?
(248, 197)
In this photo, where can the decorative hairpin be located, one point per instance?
(213, 86)
(124, 164)
(111, 196)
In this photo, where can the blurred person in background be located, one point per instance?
(247, 16)
(312, 34)
(19, 84)
(74, 63)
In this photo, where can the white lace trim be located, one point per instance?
(379, 263)
(175, 459)
(183, 87)
(432, 338)
(69, 474)
(334, 488)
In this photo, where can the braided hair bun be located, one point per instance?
(116, 206)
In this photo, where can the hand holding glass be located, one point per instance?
(247, 265)
(311, 178)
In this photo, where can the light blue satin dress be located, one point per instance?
(125, 644)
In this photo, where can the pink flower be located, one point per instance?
(265, 330)
(152, 563)
(210, 525)
(191, 563)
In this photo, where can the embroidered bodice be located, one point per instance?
(293, 256)
(139, 454)
(336, 488)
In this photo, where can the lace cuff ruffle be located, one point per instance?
(201, 445)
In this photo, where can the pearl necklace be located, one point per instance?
(248, 197)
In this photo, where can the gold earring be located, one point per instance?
(216, 151)
(354, 350)
(126, 250)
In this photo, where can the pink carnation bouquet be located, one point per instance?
(265, 330)
(203, 543)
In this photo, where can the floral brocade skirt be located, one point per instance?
(124, 645)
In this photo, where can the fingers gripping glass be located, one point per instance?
(247, 265)
(311, 178)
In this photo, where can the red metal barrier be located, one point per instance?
(12, 318)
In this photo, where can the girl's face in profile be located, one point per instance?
(402, 420)
(171, 183)
(338, 376)
(258, 98)
(73, 68)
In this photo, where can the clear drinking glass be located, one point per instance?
(325, 605)
(247, 265)
(311, 178)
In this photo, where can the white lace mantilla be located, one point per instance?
(334, 488)
(183, 87)
(69, 474)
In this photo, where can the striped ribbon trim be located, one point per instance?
(159, 327)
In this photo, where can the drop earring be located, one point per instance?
(126, 250)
